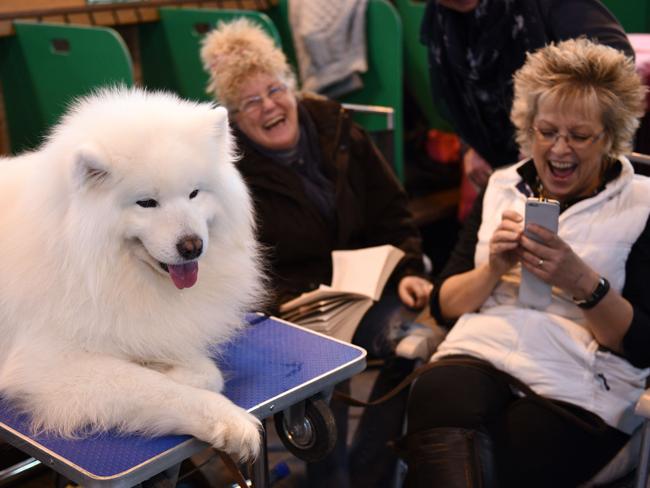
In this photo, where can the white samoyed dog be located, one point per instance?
(126, 249)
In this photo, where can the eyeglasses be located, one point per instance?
(549, 137)
(254, 103)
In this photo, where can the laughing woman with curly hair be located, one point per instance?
(319, 184)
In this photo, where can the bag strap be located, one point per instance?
(232, 468)
(468, 362)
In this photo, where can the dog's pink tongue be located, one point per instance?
(184, 275)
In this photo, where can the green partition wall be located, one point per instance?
(169, 49)
(633, 14)
(382, 83)
(44, 66)
(416, 63)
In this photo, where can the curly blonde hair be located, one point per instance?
(584, 75)
(236, 50)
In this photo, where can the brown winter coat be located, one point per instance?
(370, 203)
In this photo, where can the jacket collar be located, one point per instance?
(514, 178)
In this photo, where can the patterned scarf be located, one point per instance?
(306, 160)
(472, 58)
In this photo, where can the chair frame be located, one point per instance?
(642, 165)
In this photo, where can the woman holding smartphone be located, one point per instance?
(545, 397)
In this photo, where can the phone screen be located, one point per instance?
(534, 292)
(542, 212)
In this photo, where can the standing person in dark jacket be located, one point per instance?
(319, 184)
(475, 46)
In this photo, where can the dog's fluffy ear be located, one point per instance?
(219, 116)
(90, 169)
(221, 132)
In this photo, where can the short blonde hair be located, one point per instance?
(575, 72)
(236, 50)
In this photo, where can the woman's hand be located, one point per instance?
(414, 291)
(467, 292)
(553, 261)
(504, 243)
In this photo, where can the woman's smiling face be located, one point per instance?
(568, 148)
(267, 112)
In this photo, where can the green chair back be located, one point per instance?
(382, 83)
(44, 66)
(634, 15)
(169, 49)
(279, 14)
(418, 77)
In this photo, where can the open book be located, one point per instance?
(358, 279)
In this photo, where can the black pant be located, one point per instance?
(534, 444)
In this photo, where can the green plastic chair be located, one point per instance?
(44, 66)
(169, 49)
(382, 83)
(634, 15)
(279, 14)
(418, 77)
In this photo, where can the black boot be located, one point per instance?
(448, 458)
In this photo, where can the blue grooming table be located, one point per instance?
(271, 366)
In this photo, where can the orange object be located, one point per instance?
(443, 147)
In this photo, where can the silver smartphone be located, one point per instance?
(534, 292)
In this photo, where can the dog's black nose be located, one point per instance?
(190, 247)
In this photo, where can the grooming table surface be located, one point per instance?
(269, 367)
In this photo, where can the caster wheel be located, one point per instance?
(315, 437)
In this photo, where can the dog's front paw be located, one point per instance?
(238, 433)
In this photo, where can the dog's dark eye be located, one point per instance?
(147, 203)
(194, 193)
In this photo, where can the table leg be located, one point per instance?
(260, 468)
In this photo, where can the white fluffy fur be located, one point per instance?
(92, 331)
